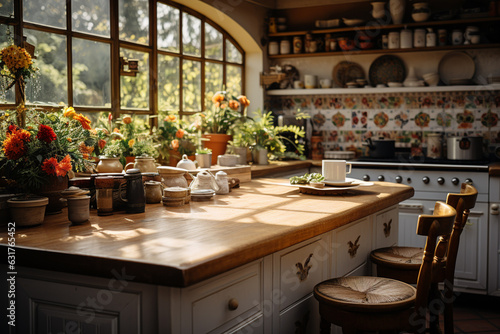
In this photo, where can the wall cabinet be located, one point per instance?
(270, 295)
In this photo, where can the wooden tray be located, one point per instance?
(326, 191)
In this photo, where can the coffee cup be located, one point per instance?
(335, 170)
(297, 84)
(310, 81)
(325, 83)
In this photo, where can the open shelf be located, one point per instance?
(385, 51)
(373, 90)
(375, 25)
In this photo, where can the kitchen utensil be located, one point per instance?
(432, 79)
(406, 39)
(335, 170)
(346, 44)
(430, 38)
(154, 190)
(346, 71)
(380, 148)
(273, 48)
(285, 47)
(386, 68)
(378, 10)
(325, 83)
(457, 37)
(145, 164)
(456, 65)
(221, 179)
(465, 148)
(442, 37)
(172, 176)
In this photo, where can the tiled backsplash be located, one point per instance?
(345, 121)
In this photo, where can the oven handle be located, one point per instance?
(471, 213)
(411, 206)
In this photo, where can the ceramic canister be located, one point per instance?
(285, 47)
(434, 147)
(430, 38)
(297, 44)
(394, 40)
(406, 39)
(419, 38)
(442, 37)
(274, 48)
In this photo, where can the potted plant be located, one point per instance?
(174, 138)
(39, 157)
(204, 157)
(109, 161)
(217, 122)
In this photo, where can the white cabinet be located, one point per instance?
(386, 228)
(494, 238)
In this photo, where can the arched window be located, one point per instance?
(86, 58)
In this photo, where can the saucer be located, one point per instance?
(345, 183)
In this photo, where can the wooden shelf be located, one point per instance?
(384, 51)
(373, 90)
(374, 25)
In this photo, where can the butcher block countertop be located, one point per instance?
(180, 246)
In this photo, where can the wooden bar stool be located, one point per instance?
(403, 263)
(379, 303)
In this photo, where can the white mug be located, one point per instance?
(310, 81)
(335, 170)
(325, 83)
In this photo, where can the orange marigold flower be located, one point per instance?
(85, 149)
(69, 139)
(49, 166)
(131, 142)
(233, 104)
(101, 143)
(64, 166)
(14, 146)
(116, 130)
(180, 133)
(170, 118)
(218, 97)
(127, 119)
(84, 121)
(245, 102)
(69, 112)
(85, 155)
(175, 144)
(46, 134)
(223, 105)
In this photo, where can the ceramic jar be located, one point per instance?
(285, 47)
(204, 160)
(109, 165)
(144, 164)
(419, 38)
(172, 176)
(78, 209)
(434, 147)
(221, 179)
(430, 38)
(154, 190)
(135, 196)
(457, 37)
(397, 9)
(378, 10)
(274, 48)
(394, 42)
(297, 44)
(442, 37)
(406, 39)
(471, 35)
(29, 212)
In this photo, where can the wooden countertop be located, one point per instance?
(185, 245)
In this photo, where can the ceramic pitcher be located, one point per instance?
(145, 164)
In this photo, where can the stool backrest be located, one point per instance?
(439, 224)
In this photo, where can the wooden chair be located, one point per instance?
(403, 263)
(379, 303)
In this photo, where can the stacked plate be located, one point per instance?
(456, 68)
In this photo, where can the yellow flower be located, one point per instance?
(69, 112)
(131, 142)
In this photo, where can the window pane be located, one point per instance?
(191, 35)
(233, 79)
(191, 85)
(91, 73)
(232, 53)
(134, 20)
(134, 91)
(50, 85)
(213, 81)
(168, 83)
(213, 42)
(7, 8)
(168, 27)
(50, 13)
(91, 16)
(5, 39)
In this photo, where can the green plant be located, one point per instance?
(224, 113)
(144, 146)
(113, 149)
(203, 150)
(175, 136)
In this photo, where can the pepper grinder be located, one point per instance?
(136, 198)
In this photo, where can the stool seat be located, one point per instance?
(366, 294)
(399, 257)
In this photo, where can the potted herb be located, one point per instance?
(204, 157)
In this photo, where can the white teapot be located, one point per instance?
(186, 163)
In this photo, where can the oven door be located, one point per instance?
(471, 266)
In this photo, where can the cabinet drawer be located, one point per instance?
(300, 270)
(302, 317)
(238, 295)
(385, 228)
(351, 246)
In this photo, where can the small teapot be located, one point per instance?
(186, 163)
(204, 180)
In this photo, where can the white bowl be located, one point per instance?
(432, 79)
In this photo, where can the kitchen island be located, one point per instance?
(265, 243)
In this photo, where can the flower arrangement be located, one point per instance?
(225, 111)
(50, 145)
(16, 63)
(176, 137)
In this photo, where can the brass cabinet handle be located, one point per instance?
(353, 247)
(303, 269)
(387, 228)
(232, 304)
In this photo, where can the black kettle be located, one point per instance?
(380, 148)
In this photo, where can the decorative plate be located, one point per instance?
(338, 119)
(443, 119)
(489, 119)
(347, 71)
(456, 68)
(381, 119)
(422, 119)
(387, 68)
(319, 119)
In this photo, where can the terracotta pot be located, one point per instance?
(109, 165)
(217, 142)
(52, 189)
(28, 212)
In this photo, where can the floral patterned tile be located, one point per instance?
(367, 102)
(427, 101)
(359, 119)
(401, 119)
(335, 103)
(350, 102)
(489, 119)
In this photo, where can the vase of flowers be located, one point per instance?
(174, 138)
(218, 121)
(37, 158)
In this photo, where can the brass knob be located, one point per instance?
(232, 304)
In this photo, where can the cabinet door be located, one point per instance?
(385, 228)
(48, 307)
(494, 250)
(302, 317)
(351, 246)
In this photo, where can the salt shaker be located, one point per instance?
(221, 179)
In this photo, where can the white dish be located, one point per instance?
(346, 183)
(202, 194)
(456, 65)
